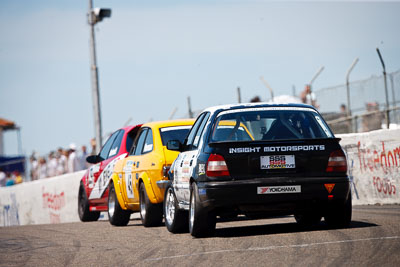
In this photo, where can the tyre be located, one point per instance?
(339, 216)
(201, 222)
(307, 219)
(176, 220)
(116, 215)
(151, 214)
(85, 215)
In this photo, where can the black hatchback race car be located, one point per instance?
(259, 160)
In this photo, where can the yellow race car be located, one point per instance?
(139, 180)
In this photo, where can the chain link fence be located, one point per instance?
(367, 104)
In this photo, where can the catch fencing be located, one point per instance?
(367, 104)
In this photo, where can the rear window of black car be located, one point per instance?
(174, 133)
(269, 123)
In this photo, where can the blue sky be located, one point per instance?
(151, 56)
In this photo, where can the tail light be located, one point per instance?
(166, 170)
(337, 162)
(216, 166)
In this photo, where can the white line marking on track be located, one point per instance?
(273, 247)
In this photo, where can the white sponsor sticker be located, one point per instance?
(202, 169)
(128, 166)
(173, 128)
(113, 152)
(277, 162)
(129, 185)
(92, 170)
(147, 148)
(279, 189)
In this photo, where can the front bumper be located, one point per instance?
(242, 196)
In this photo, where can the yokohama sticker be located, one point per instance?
(279, 189)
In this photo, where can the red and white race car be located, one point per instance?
(93, 189)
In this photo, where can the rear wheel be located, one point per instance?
(151, 214)
(339, 216)
(85, 215)
(116, 215)
(201, 222)
(176, 220)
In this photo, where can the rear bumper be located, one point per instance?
(244, 196)
(163, 184)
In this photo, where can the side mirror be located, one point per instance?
(93, 159)
(174, 145)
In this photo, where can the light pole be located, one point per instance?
(348, 86)
(386, 91)
(189, 108)
(316, 76)
(96, 15)
(309, 86)
(271, 91)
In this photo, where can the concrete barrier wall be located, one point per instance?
(374, 169)
(51, 200)
(374, 166)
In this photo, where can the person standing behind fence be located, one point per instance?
(73, 162)
(10, 181)
(34, 167)
(3, 177)
(308, 97)
(65, 159)
(17, 177)
(343, 110)
(61, 161)
(372, 120)
(52, 165)
(42, 168)
(93, 145)
(82, 158)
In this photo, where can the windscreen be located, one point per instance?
(174, 133)
(274, 123)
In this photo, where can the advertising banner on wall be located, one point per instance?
(374, 166)
(50, 200)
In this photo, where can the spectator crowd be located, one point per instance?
(59, 162)
(10, 178)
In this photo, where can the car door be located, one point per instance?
(103, 170)
(133, 166)
(148, 163)
(187, 160)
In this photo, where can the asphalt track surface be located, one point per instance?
(373, 239)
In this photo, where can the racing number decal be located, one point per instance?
(129, 185)
(104, 178)
(92, 170)
(128, 179)
(183, 172)
(107, 174)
